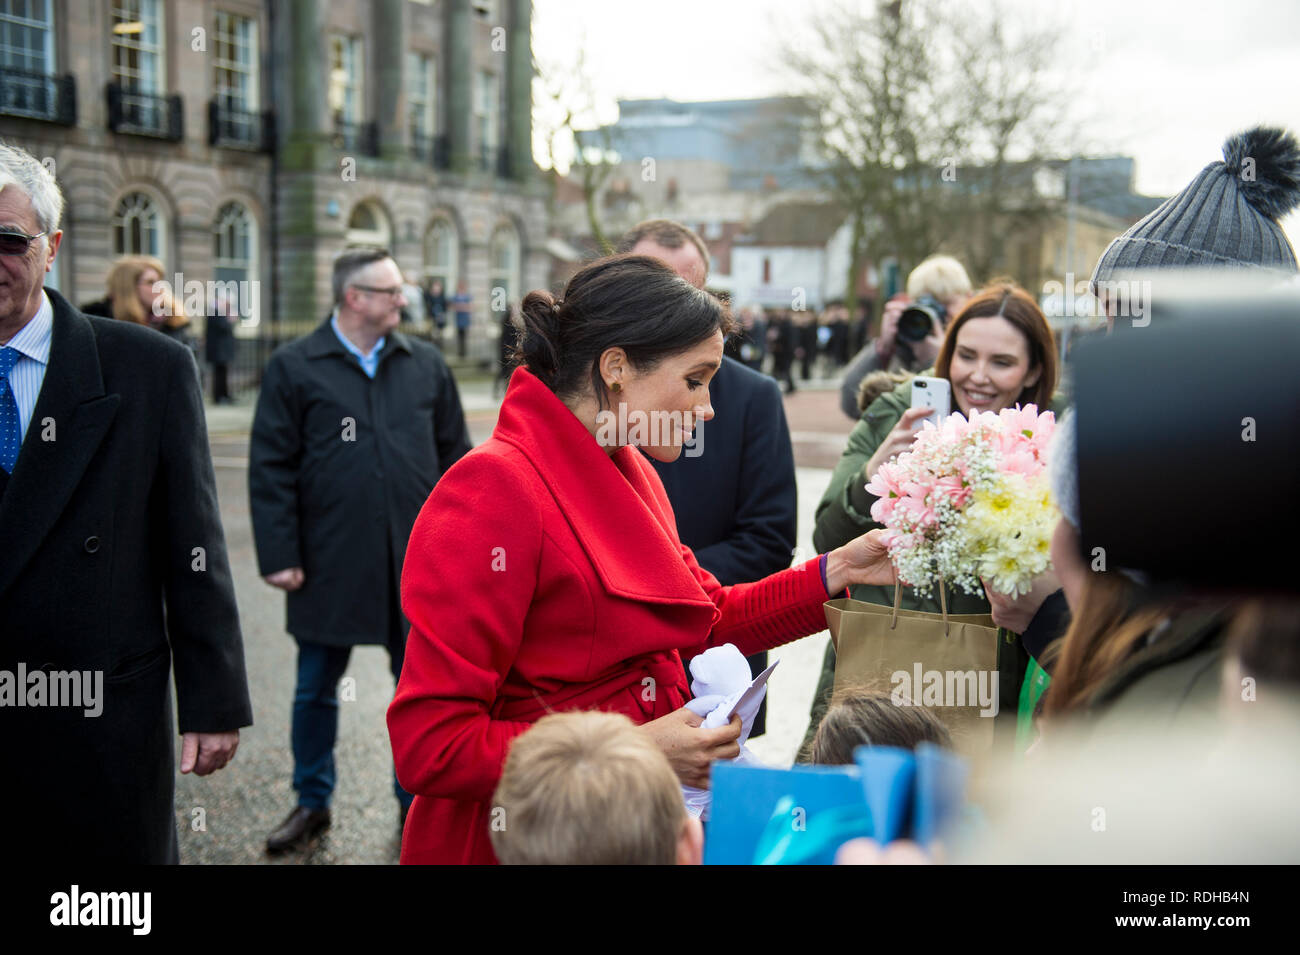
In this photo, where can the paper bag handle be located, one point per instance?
(898, 593)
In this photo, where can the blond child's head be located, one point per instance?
(590, 789)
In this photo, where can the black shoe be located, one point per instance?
(301, 825)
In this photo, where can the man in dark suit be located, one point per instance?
(734, 493)
(355, 423)
(113, 569)
(219, 342)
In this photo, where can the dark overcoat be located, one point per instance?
(339, 467)
(219, 338)
(108, 522)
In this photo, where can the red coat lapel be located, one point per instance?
(616, 505)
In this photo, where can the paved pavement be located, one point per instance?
(225, 818)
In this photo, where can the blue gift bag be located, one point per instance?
(745, 800)
(802, 815)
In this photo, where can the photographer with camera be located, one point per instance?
(911, 326)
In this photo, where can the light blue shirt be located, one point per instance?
(33, 345)
(369, 363)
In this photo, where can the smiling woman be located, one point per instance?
(997, 353)
(546, 573)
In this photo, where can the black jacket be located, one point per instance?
(339, 467)
(219, 338)
(108, 522)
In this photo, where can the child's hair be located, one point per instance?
(586, 789)
(860, 716)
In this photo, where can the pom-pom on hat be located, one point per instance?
(1227, 217)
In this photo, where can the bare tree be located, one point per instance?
(931, 124)
(565, 110)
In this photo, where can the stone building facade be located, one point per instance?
(252, 140)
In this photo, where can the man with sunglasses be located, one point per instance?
(113, 569)
(355, 423)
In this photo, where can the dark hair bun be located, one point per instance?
(538, 346)
(631, 302)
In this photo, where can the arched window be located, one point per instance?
(442, 254)
(503, 269)
(234, 263)
(138, 227)
(369, 225)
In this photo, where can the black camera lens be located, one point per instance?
(915, 323)
(919, 318)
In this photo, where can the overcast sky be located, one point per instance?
(1164, 81)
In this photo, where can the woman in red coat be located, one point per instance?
(545, 572)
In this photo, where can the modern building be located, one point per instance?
(248, 141)
(717, 166)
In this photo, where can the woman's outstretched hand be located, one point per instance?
(864, 560)
(691, 750)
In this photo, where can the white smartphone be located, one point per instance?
(933, 393)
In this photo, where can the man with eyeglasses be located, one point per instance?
(355, 423)
(113, 568)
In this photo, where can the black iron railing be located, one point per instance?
(362, 138)
(235, 128)
(435, 150)
(38, 96)
(495, 160)
(145, 114)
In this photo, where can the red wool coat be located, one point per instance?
(543, 575)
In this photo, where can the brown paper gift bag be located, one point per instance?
(945, 662)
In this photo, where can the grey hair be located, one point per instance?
(351, 261)
(20, 168)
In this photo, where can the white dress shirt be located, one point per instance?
(28, 374)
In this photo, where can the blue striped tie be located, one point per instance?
(9, 436)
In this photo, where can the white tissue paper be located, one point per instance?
(723, 687)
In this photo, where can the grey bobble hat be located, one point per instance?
(1227, 217)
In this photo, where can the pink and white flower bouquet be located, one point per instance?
(969, 500)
